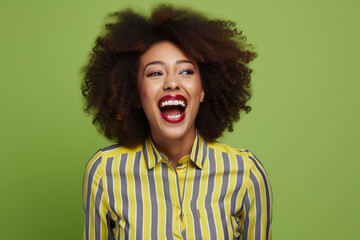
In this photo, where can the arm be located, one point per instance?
(94, 201)
(256, 213)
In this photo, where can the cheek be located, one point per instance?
(196, 90)
(149, 89)
(147, 94)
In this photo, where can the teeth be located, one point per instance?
(173, 103)
(174, 117)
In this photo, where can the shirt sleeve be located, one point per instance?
(256, 213)
(94, 201)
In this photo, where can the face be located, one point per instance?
(170, 91)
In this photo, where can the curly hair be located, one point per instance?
(217, 46)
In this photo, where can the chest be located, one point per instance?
(183, 202)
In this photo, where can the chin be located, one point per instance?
(175, 132)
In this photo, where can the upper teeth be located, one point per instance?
(173, 103)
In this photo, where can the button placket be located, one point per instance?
(177, 177)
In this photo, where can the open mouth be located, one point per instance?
(172, 108)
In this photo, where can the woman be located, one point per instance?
(165, 88)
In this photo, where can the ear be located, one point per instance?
(202, 95)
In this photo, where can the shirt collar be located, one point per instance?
(197, 155)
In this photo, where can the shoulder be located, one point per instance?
(248, 157)
(103, 155)
(218, 146)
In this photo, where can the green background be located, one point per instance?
(304, 125)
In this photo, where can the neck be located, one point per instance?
(175, 149)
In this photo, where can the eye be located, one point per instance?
(153, 74)
(187, 72)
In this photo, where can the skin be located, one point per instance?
(164, 70)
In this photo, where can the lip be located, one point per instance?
(172, 97)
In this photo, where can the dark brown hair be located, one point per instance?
(217, 46)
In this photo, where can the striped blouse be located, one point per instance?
(217, 192)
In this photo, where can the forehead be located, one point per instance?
(163, 51)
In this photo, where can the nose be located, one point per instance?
(171, 83)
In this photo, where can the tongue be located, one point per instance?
(171, 111)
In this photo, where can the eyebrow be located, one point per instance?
(162, 63)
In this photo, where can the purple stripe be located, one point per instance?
(267, 193)
(97, 220)
(236, 191)
(223, 191)
(193, 203)
(168, 202)
(258, 208)
(124, 194)
(110, 185)
(209, 193)
(138, 197)
(246, 223)
(92, 172)
(154, 204)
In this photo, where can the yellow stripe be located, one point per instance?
(161, 201)
(146, 201)
(86, 175)
(201, 201)
(232, 184)
(116, 181)
(131, 194)
(189, 223)
(216, 195)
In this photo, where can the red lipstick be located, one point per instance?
(172, 108)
